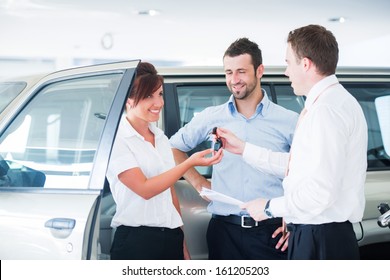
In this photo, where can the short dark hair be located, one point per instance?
(146, 82)
(318, 44)
(245, 46)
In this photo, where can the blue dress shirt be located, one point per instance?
(271, 126)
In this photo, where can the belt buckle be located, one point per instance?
(243, 222)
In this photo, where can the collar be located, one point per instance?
(318, 89)
(128, 130)
(261, 108)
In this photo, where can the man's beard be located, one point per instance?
(244, 93)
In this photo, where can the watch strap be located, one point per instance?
(267, 211)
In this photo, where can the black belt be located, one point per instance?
(245, 221)
(146, 228)
(292, 227)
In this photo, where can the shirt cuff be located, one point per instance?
(277, 206)
(252, 154)
(273, 163)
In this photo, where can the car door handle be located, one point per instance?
(60, 223)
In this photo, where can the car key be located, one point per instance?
(218, 142)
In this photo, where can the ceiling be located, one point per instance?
(185, 33)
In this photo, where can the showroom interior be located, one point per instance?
(47, 35)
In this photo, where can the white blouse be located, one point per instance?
(130, 150)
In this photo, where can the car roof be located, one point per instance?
(268, 70)
(184, 71)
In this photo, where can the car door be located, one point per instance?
(55, 142)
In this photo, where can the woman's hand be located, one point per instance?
(201, 158)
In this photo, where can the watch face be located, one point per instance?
(268, 213)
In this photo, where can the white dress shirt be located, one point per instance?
(328, 163)
(130, 150)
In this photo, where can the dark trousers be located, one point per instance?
(332, 241)
(147, 243)
(228, 241)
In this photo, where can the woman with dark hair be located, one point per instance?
(142, 173)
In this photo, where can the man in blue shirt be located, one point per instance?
(254, 118)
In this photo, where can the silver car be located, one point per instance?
(56, 134)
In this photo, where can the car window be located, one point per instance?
(382, 106)
(8, 92)
(194, 99)
(285, 97)
(367, 95)
(52, 141)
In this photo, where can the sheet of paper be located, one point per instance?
(216, 196)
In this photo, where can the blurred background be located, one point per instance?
(47, 35)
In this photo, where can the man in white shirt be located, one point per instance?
(325, 171)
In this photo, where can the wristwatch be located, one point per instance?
(267, 211)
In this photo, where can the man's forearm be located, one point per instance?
(265, 160)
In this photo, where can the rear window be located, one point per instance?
(370, 97)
